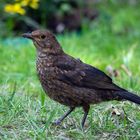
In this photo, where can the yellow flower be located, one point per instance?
(19, 5)
(15, 8)
(34, 4)
(24, 2)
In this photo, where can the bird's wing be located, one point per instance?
(86, 76)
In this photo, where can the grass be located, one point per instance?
(26, 112)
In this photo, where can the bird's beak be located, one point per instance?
(27, 35)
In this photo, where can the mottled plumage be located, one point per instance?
(69, 81)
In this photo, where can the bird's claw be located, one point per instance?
(57, 122)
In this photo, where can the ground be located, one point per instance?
(26, 112)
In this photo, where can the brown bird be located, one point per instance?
(69, 81)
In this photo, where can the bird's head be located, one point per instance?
(44, 41)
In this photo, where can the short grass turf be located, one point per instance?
(26, 112)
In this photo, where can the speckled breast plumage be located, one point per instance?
(60, 91)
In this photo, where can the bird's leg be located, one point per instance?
(57, 122)
(86, 110)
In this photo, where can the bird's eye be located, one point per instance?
(42, 36)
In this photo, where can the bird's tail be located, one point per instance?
(128, 96)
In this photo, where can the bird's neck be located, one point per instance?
(45, 61)
(51, 49)
(45, 58)
(43, 64)
(48, 56)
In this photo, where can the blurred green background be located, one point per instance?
(65, 15)
(103, 33)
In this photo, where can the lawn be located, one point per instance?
(26, 112)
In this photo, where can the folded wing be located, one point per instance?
(88, 77)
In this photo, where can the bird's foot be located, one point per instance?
(57, 122)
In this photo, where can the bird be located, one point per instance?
(70, 81)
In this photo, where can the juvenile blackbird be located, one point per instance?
(69, 81)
